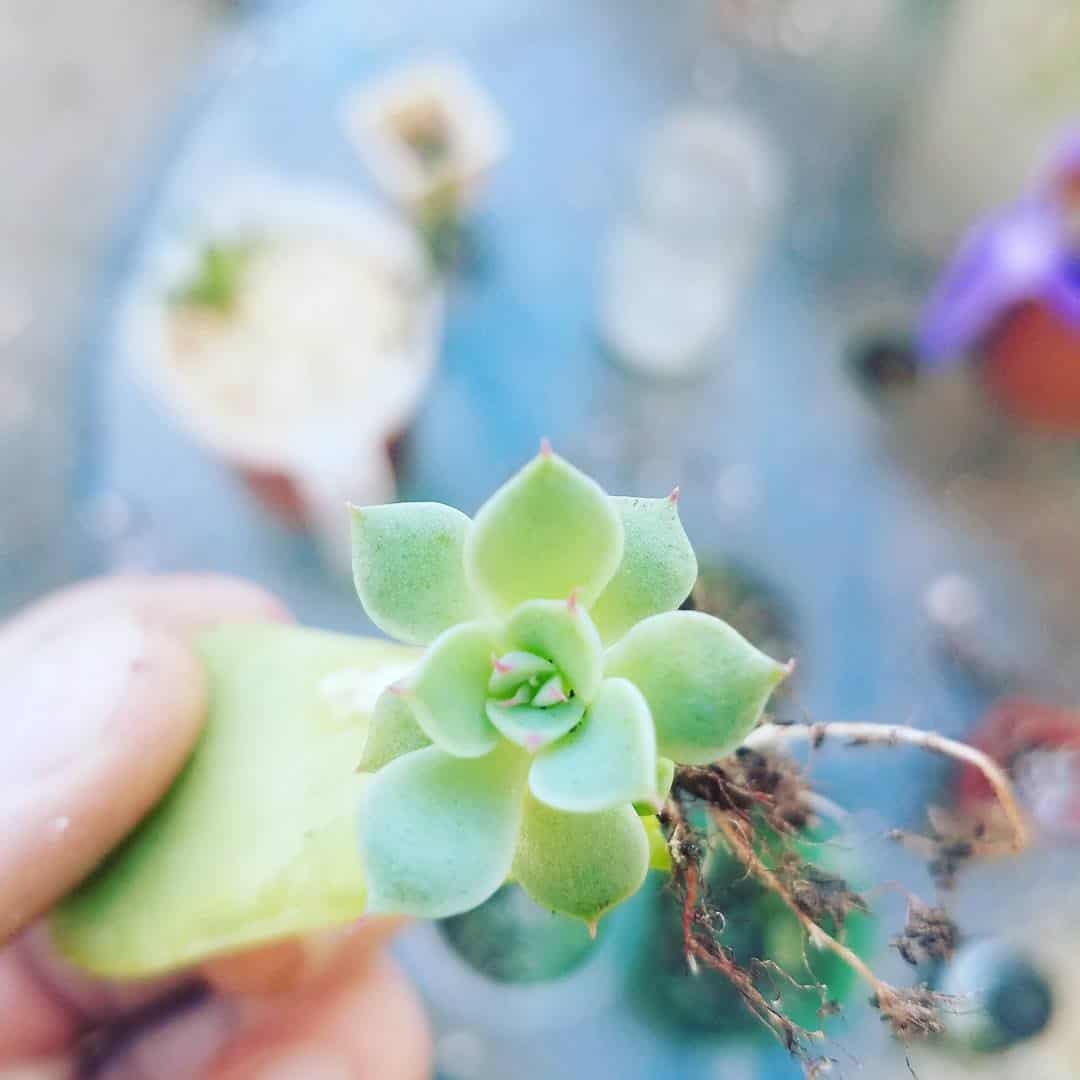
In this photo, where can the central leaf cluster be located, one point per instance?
(529, 694)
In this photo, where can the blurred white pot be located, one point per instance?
(318, 362)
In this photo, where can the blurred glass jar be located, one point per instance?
(708, 195)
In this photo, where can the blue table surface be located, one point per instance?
(835, 525)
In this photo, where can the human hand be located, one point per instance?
(101, 700)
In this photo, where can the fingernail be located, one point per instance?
(313, 1064)
(61, 700)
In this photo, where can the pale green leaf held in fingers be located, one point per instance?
(256, 839)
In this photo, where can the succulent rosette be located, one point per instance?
(558, 688)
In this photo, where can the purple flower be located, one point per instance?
(1023, 253)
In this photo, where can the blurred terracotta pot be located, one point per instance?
(1039, 746)
(1031, 363)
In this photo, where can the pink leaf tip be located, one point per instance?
(790, 666)
(501, 666)
(545, 447)
(673, 498)
(533, 742)
(572, 602)
(521, 696)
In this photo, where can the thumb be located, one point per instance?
(95, 721)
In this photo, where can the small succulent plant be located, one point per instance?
(531, 741)
(558, 688)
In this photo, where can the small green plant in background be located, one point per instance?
(217, 280)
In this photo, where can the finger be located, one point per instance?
(182, 603)
(43, 1025)
(359, 1025)
(94, 723)
(290, 965)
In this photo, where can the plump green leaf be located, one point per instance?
(665, 776)
(580, 864)
(706, 686)
(534, 728)
(255, 841)
(409, 569)
(562, 632)
(512, 669)
(438, 833)
(393, 732)
(449, 688)
(609, 760)
(659, 852)
(657, 571)
(547, 531)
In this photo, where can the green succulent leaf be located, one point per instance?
(658, 567)
(448, 691)
(580, 864)
(659, 852)
(438, 833)
(609, 760)
(665, 777)
(706, 685)
(547, 531)
(392, 733)
(534, 728)
(255, 840)
(514, 668)
(409, 569)
(559, 631)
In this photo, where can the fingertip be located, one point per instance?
(98, 720)
(191, 603)
(184, 604)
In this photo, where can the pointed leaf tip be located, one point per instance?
(706, 686)
(658, 567)
(580, 865)
(545, 447)
(547, 530)
(673, 498)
